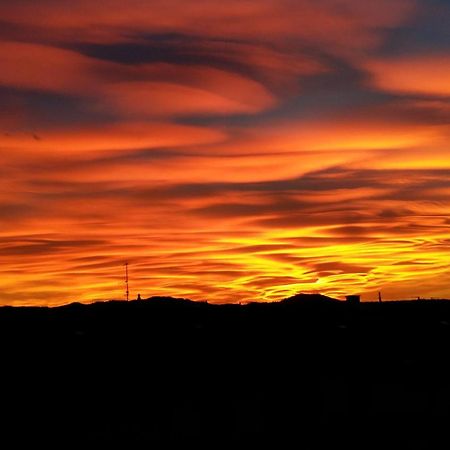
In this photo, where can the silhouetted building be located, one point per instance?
(139, 297)
(353, 299)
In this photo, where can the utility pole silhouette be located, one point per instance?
(126, 280)
(379, 297)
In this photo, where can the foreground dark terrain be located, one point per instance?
(308, 372)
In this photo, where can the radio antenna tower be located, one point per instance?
(126, 281)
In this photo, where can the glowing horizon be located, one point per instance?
(238, 151)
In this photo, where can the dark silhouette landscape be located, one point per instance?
(309, 371)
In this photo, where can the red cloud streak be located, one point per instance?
(232, 151)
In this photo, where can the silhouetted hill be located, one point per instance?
(310, 300)
(304, 298)
(310, 372)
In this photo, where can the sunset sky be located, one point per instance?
(228, 150)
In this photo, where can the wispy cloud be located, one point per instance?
(229, 150)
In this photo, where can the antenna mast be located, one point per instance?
(126, 280)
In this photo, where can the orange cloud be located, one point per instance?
(123, 136)
(188, 91)
(33, 66)
(229, 150)
(151, 90)
(423, 75)
(274, 64)
(437, 158)
(241, 241)
(354, 137)
(339, 23)
(185, 168)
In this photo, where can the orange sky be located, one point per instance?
(229, 151)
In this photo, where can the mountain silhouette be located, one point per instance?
(309, 371)
(310, 299)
